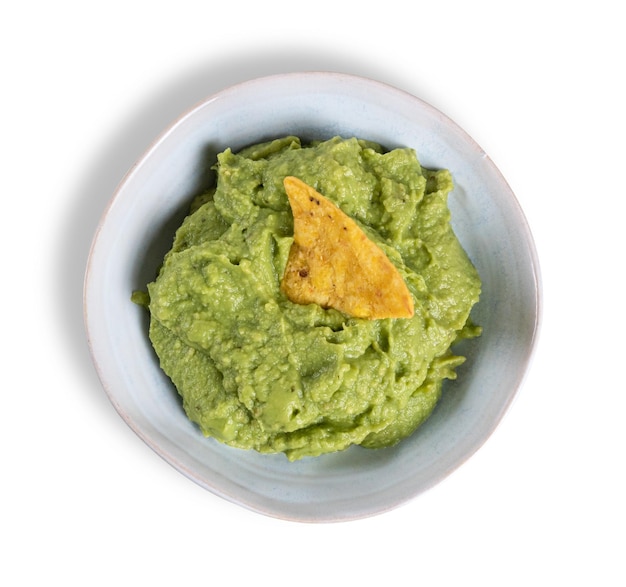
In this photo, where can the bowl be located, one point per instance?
(137, 228)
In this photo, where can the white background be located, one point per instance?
(86, 88)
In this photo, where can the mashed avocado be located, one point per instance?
(257, 371)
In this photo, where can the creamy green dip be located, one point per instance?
(257, 371)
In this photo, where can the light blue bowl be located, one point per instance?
(137, 228)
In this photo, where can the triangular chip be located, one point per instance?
(333, 263)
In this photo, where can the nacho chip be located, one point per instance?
(333, 263)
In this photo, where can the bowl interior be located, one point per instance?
(137, 229)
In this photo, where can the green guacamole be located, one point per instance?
(257, 371)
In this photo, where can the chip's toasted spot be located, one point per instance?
(334, 264)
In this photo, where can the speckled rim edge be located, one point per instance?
(170, 458)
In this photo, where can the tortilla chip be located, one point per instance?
(332, 263)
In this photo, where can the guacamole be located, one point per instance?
(258, 371)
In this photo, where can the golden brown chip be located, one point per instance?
(333, 263)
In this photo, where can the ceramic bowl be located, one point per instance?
(137, 229)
